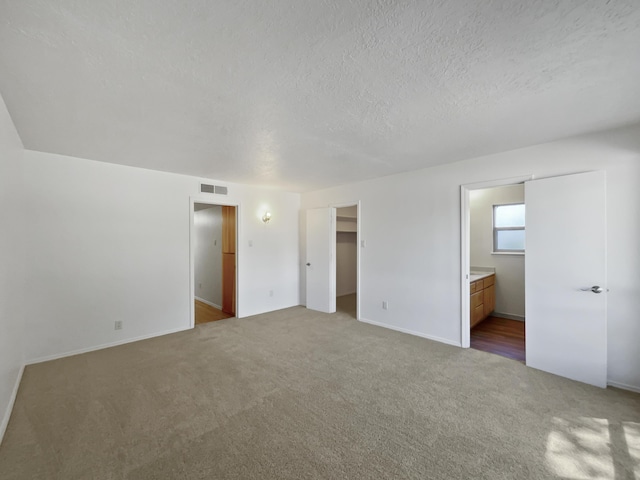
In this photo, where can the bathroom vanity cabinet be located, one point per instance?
(483, 298)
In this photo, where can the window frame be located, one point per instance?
(496, 250)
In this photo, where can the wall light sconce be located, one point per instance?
(266, 217)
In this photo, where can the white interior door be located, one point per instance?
(321, 259)
(566, 322)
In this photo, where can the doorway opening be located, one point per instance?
(496, 270)
(493, 276)
(213, 250)
(347, 260)
(322, 242)
(565, 273)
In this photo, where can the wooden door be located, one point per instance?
(228, 229)
(229, 283)
(229, 260)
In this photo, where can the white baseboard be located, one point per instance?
(105, 345)
(623, 386)
(411, 332)
(211, 304)
(508, 316)
(12, 401)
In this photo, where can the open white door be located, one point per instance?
(321, 259)
(565, 276)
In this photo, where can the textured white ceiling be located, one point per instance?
(304, 94)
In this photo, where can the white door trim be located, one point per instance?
(465, 239)
(358, 205)
(192, 281)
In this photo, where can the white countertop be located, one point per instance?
(479, 275)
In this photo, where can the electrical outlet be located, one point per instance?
(271, 293)
(200, 286)
(385, 305)
(117, 325)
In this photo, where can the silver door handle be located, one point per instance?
(594, 289)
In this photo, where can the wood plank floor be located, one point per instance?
(206, 313)
(500, 336)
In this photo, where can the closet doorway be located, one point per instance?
(347, 260)
(213, 249)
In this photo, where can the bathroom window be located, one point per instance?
(508, 228)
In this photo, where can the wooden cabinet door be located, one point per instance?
(489, 299)
(477, 310)
(477, 315)
(476, 299)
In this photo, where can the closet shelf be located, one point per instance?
(346, 224)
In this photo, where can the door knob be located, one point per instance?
(308, 264)
(594, 289)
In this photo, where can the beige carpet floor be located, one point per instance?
(296, 394)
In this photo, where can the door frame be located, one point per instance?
(465, 251)
(358, 205)
(192, 281)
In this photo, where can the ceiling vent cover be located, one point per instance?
(204, 188)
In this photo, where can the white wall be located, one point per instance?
(12, 328)
(109, 242)
(509, 268)
(208, 254)
(412, 259)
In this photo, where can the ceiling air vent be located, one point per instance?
(220, 190)
(206, 188)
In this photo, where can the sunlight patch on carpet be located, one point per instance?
(580, 449)
(632, 436)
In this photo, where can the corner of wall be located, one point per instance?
(12, 400)
(12, 346)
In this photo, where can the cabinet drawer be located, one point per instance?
(476, 299)
(479, 285)
(489, 281)
(472, 287)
